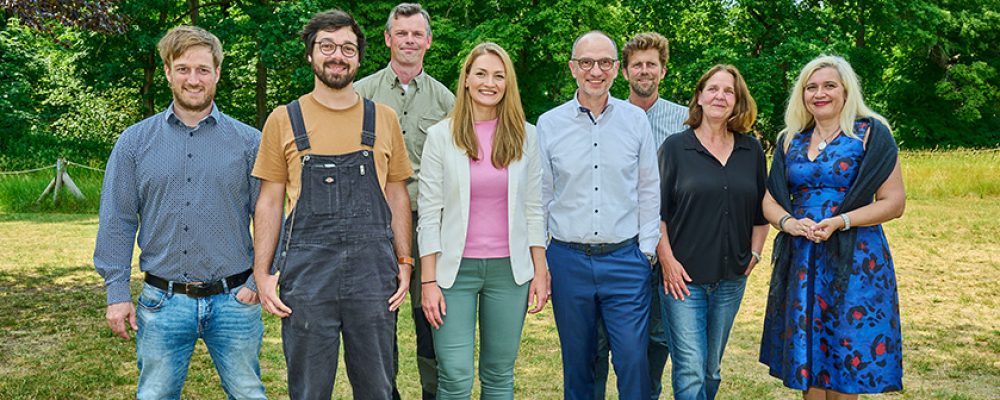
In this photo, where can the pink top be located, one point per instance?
(488, 231)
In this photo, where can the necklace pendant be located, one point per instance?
(821, 146)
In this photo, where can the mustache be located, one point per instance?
(337, 63)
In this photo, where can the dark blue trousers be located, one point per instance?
(616, 287)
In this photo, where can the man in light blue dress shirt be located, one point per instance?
(181, 179)
(601, 196)
(644, 64)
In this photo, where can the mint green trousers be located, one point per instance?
(484, 291)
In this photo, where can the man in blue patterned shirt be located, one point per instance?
(644, 64)
(183, 175)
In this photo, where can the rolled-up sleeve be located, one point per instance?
(119, 221)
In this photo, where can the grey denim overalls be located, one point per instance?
(338, 270)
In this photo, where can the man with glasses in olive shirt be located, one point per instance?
(420, 101)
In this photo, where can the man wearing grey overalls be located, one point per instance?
(344, 249)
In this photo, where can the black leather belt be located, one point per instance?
(199, 289)
(598, 249)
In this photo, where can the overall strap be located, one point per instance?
(368, 129)
(298, 125)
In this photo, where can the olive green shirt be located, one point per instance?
(426, 102)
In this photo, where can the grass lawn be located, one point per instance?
(54, 343)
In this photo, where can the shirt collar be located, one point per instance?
(392, 79)
(171, 118)
(584, 111)
(741, 141)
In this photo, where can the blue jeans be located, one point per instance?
(699, 328)
(170, 325)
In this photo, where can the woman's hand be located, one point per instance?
(538, 292)
(753, 263)
(674, 278)
(800, 227)
(432, 302)
(825, 228)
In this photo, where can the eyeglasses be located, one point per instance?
(587, 64)
(328, 48)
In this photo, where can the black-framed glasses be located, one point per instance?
(587, 64)
(328, 48)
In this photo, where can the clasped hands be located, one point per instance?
(812, 230)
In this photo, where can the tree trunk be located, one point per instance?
(193, 11)
(148, 73)
(261, 91)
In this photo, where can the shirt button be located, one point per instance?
(189, 179)
(185, 228)
(595, 167)
(725, 187)
(404, 112)
(189, 155)
(187, 203)
(595, 144)
(595, 233)
(595, 211)
(595, 188)
(191, 134)
(403, 94)
(404, 132)
(185, 252)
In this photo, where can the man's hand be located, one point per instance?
(538, 292)
(117, 314)
(267, 290)
(247, 296)
(404, 286)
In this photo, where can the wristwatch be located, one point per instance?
(405, 260)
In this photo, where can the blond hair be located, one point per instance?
(797, 116)
(744, 111)
(508, 141)
(180, 39)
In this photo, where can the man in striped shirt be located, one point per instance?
(644, 62)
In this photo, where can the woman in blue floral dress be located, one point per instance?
(832, 328)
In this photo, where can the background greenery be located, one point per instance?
(75, 73)
(54, 343)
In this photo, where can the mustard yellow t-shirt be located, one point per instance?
(331, 132)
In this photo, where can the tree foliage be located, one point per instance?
(78, 71)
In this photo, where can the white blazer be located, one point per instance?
(443, 204)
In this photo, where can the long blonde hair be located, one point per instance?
(508, 142)
(797, 116)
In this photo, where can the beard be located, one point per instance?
(644, 91)
(332, 80)
(196, 105)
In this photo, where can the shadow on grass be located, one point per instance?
(49, 218)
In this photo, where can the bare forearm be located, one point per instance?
(757, 238)
(266, 226)
(538, 259)
(772, 210)
(402, 217)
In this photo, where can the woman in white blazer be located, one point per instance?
(481, 232)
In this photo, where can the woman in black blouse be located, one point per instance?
(712, 181)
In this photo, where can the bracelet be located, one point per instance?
(428, 282)
(847, 221)
(755, 255)
(781, 222)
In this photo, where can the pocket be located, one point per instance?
(236, 290)
(354, 196)
(151, 298)
(321, 186)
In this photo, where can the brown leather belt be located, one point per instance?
(199, 289)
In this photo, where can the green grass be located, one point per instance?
(54, 343)
(18, 193)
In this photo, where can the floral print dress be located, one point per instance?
(849, 344)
